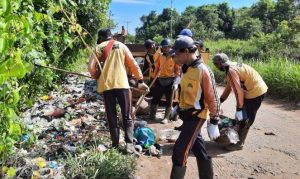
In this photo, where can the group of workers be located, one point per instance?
(177, 66)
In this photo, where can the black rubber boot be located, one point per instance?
(205, 169)
(153, 110)
(167, 115)
(129, 134)
(129, 141)
(177, 172)
(115, 136)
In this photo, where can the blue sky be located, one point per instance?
(132, 10)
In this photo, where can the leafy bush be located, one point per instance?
(44, 32)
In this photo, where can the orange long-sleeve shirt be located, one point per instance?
(166, 67)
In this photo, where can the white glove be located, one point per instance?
(175, 87)
(213, 131)
(143, 86)
(239, 115)
(177, 80)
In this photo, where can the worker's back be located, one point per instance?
(113, 75)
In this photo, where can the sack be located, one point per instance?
(144, 136)
(228, 131)
(166, 81)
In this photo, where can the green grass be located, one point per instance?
(233, 48)
(281, 76)
(80, 64)
(109, 165)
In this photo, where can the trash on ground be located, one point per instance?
(228, 131)
(170, 135)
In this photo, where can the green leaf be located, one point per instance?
(10, 113)
(2, 25)
(28, 67)
(38, 16)
(26, 25)
(16, 96)
(16, 4)
(11, 172)
(6, 7)
(4, 168)
(72, 3)
(15, 129)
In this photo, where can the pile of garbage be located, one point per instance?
(67, 121)
(64, 121)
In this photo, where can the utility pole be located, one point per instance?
(127, 22)
(171, 29)
(109, 19)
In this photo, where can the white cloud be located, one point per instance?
(132, 1)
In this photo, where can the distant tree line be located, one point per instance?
(216, 21)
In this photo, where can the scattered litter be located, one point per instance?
(53, 164)
(138, 148)
(101, 148)
(140, 123)
(46, 98)
(55, 113)
(25, 137)
(41, 163)
(269, 133)
(144, 136)
(153, 151)
(170, 135)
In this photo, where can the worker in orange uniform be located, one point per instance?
(166, 70)
(199, 101)
(113, 84)
(249, 89)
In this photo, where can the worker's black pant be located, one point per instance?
(159, 91)
(189, 139)
(252, 106)
(123, 97)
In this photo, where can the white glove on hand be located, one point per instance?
(143, 86)
(213, 131)
(175, 87)
(239, 115)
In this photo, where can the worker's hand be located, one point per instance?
(175, 87)
(213, 131)
(143, 86)
(239, 115)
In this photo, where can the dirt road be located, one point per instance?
(264, 156)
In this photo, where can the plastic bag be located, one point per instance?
(144, 136)
(228, 131)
